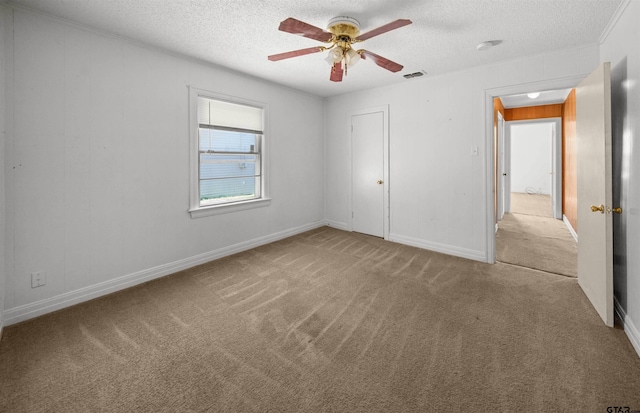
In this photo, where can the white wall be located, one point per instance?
(621, 49)
(437, 186)
(97, 165)
(531, 157)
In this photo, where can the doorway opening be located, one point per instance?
(528, 178)
(533, 167)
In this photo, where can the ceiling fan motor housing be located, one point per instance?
(345, 29)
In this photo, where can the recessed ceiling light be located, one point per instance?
(533, 95)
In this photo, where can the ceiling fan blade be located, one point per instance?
(383, 62)
(303, 29)
(383, 29)
(336, 72)
(295, 53)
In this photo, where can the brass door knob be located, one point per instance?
(597, 208)
(379, 181)
(617, 210)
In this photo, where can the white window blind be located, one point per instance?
(229, 115)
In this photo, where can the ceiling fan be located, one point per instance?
(342, 33)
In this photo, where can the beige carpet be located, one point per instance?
(537, 242)
(326, 321)
(530, 237)
(531, 204)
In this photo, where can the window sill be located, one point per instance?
(226, 208)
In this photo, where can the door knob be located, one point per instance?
(597, 208)
(504, 174)
(379, 181)
(617, 210)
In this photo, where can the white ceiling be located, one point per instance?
(240, 34)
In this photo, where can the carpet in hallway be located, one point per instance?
(537, 242)
(531, 204)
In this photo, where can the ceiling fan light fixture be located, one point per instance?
(351, 57)
(335, 55)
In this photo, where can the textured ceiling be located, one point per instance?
(240, 34)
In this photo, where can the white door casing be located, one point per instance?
(555, 175)
(595, 248)
(369, 172)
(556, 168)
(502, 173)
(552, 158)
(507, 168)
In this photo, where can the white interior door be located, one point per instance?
(367, 174)
(595, 248)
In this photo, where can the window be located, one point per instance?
(227, 154)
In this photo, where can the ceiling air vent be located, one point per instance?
(415, 74)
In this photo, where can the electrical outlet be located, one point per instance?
(38, 279)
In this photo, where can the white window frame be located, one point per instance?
(197, 211)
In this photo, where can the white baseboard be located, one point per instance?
(437, 247)
(630, 328)
(338, 225)
(569, 227)
(31, 310)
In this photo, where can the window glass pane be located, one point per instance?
(217, 191)
(215, 166)
(227, 141)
